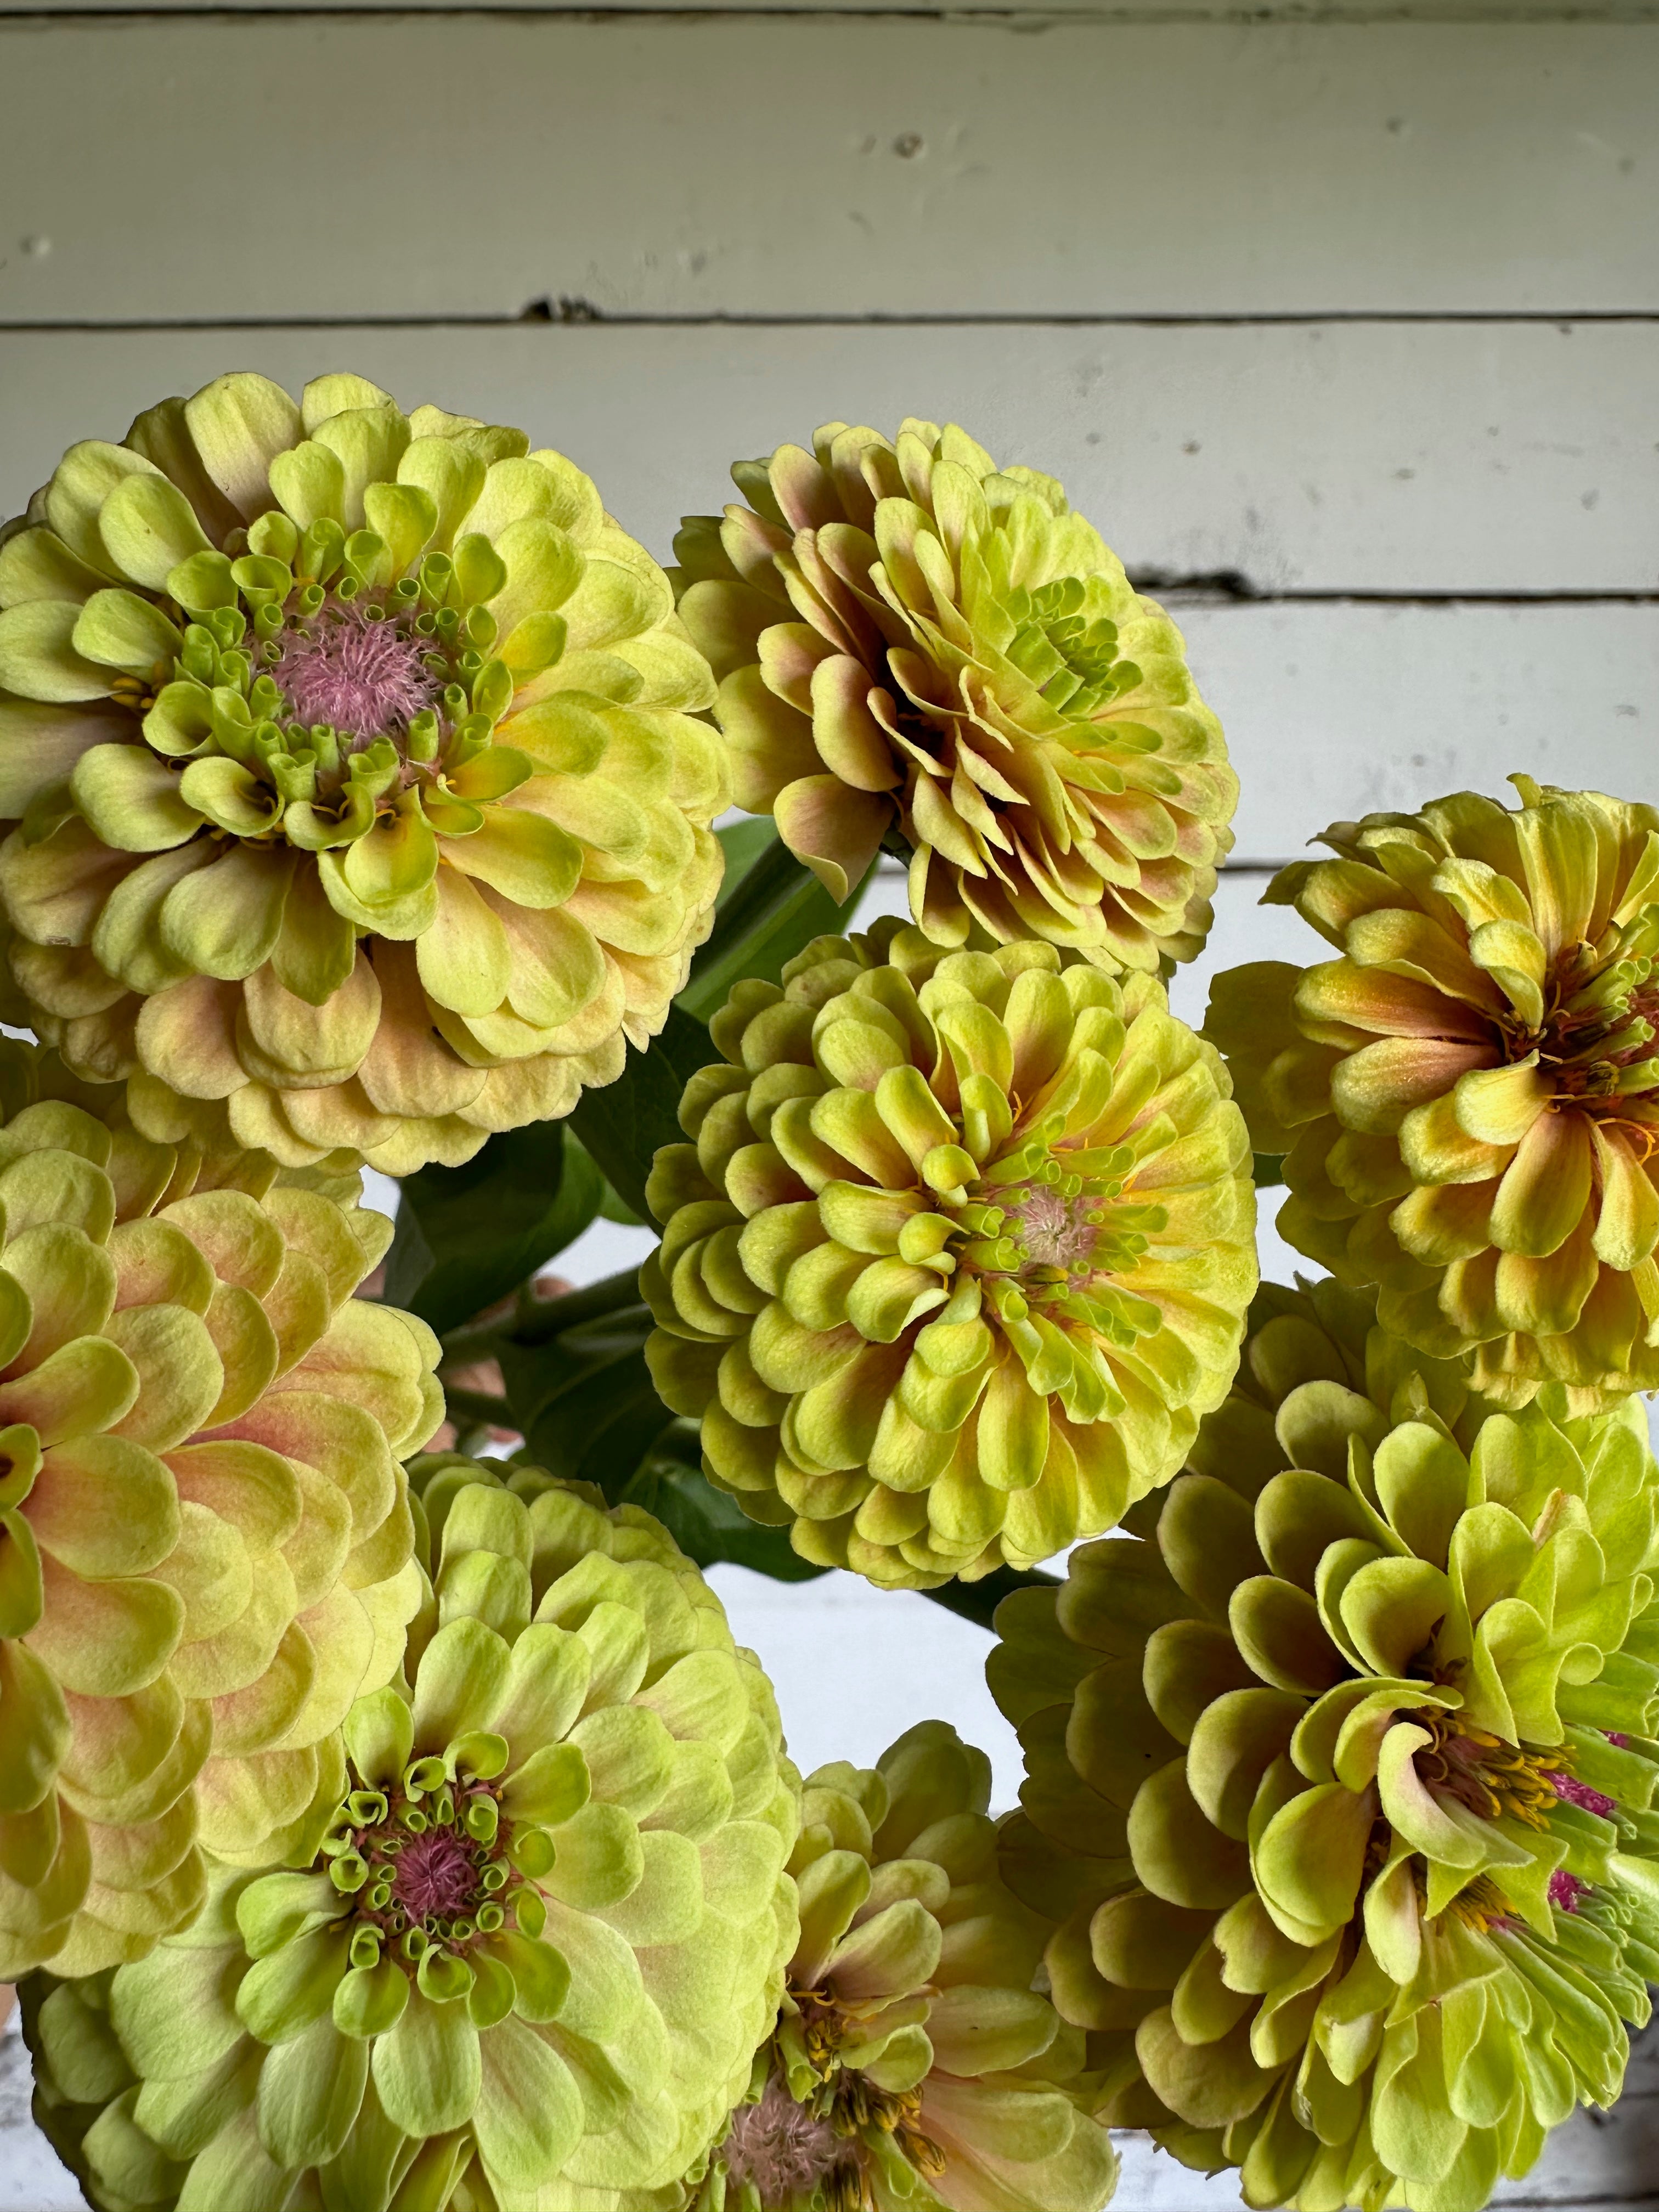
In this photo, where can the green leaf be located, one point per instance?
(467, 1236)
(979, 1600)
(707, 1525)
(776, 908)
(611, 1208)
(584, 1400)
(622, 1125)
(742, 843)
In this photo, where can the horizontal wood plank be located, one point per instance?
(1430, 456)
(1335, 711)
(163, 168)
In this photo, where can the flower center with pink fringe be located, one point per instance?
(364, 676)
(781, 2147)
(437, 1873)
(1057, 1231)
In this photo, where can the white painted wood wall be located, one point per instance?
(1341, 319)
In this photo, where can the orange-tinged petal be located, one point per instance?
(1375, 1088)
(1411, 947)
(1544, 1296)
(834, 828)
(1437, 1149)
(1384, 1003)
(1441, 1223)
(849, 738)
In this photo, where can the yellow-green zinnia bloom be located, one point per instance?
(916, 2066)
(358, 806)
(1467, 1093)
(206, 1546)
(1341, 1774)
(960, 1254)
(917, 647)
(528, 1954)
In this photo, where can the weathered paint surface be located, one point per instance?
(161, 168)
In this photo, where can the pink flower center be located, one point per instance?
(436, 1875)
(363, 676)
(1055, 1231)
(1566, 1890)
(782, 2148)
(1580, 1793)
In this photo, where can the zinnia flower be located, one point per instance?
(541, 1933)
(206, 1539)
(915, 2066)
(917, 647)
(961, 1252)
(1468, 1097)
(359, 808)
(1342, 1774)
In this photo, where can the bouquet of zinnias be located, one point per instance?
(389, 1819)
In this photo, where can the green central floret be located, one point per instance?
(432, 1864)
(1072, 657)
(312, 697)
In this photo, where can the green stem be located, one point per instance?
(979, 1600)
(776, 878)
(474, 1340)
(538, 1322)
(481, 1408)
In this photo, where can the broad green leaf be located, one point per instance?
(707, 1525)
(623, 1125)
(765, 916)
(584, 1401)
(467, 1236)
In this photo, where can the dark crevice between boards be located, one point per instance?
(572, 311)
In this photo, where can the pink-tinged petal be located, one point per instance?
(1385, 1004)
(835, 829)
(850, 740)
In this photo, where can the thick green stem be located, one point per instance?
(538, 1322)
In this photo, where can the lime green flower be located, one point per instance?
(917, 647)
(915, 2068)
(1468, 1096)
(205, 1541)
(1342, 1774)
(533, 1944)
(359, 806)
(960, 1254)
